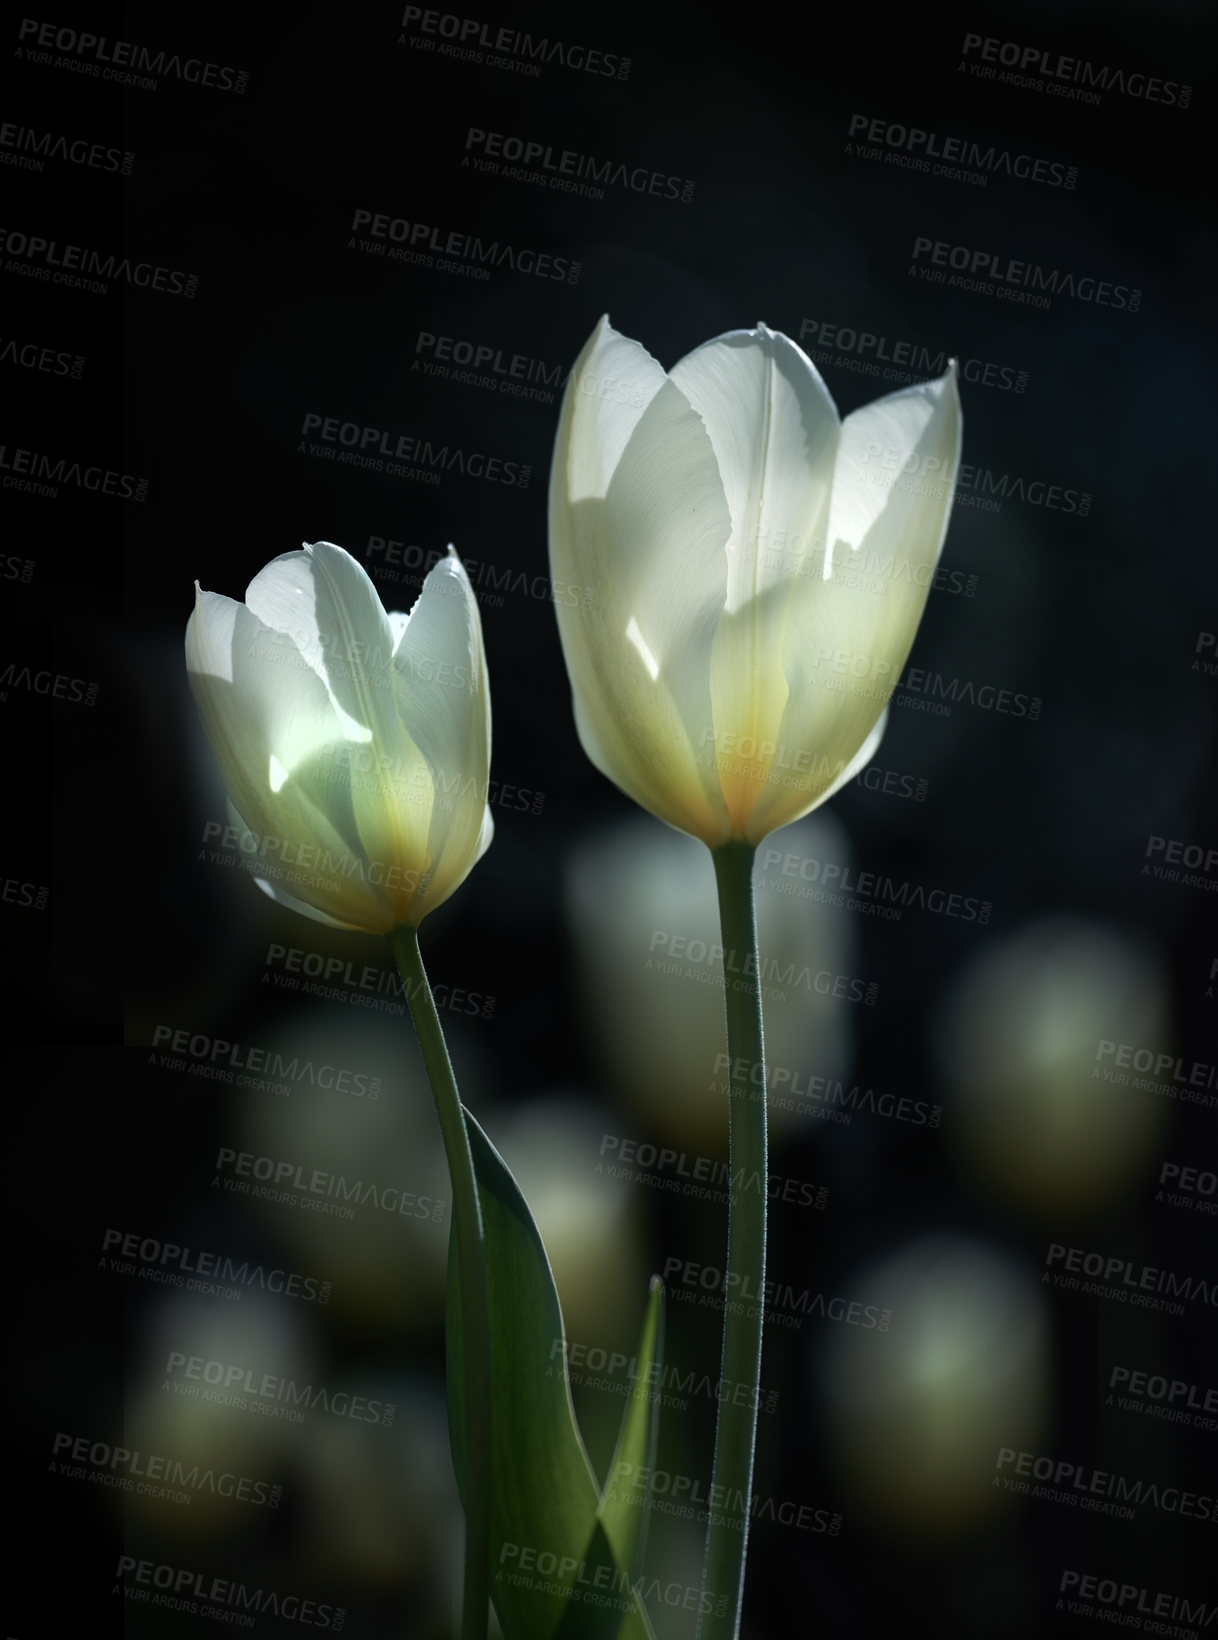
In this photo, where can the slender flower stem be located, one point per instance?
(475, 1310)
(736, 1425)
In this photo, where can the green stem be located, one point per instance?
(736, 1425)
(475, 1310)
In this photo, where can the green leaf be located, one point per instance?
(624, 1509)
(554, 1571)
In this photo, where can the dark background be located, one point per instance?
(119, 926)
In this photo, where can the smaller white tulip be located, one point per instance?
(753, 568)
(354, 743)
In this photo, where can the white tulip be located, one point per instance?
(752, 571)
(354, 743)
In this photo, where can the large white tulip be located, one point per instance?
(754, 571)
(354, 743)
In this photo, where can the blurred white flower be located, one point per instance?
(641, 905)
(916, 1415)
(552, 1147)
(1032, 1115)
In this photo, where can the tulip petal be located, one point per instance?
(280, 895)
(611, 385)
(781, 801)
(323, 598)
(256, 697)
(325, 602)
(274, 890)
(234, 735)
(646, 558)
(774, 429)
(440, 680)
(486, 836)
(281, 753)
(848, 635)
(894, 481)
(861, 758)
